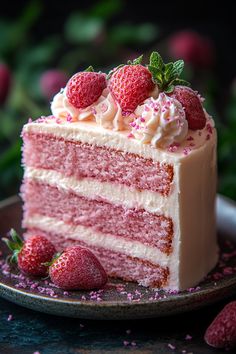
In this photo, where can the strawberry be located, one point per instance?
(32, 254)
(222, 331)
(77, 268)
(193, 48)
(131, 85)
(51, 81)
(84, 88)
(5, 82)
(192, 105)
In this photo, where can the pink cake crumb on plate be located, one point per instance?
(119, 299)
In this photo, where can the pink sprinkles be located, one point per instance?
(127, 343)
(10, 317)
(188, 337)
(171, 346)
(45, 287)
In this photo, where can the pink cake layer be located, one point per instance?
(117, 265)
(102, 216)
(83, 160)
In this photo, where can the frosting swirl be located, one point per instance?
(105, 111)
(108, 114)
(161, 122)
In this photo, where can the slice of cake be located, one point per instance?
(126, 166)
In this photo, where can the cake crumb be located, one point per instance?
(171, 346)
(126, 343)
(188, 337)
(10, 317)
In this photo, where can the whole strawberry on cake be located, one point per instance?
(126, 167)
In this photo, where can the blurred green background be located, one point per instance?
(41, 48)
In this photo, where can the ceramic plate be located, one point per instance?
(120, 300)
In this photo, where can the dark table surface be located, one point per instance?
(29, 331)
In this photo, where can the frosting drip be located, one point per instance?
(160, 122)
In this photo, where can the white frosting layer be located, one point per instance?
(112, 192)
(94, 238)
(160, 122)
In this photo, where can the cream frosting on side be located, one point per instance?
(160, 122)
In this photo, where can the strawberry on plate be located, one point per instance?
(31, 255)
(131, 84)
(222, 331)
(77, 268)
(84, 88)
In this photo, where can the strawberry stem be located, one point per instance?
(15, 245)
(55, 257)
(136, 61)
(89, 69)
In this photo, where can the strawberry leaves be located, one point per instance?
(166, 76)
(136, 61)
(15, 245)
(89, 69)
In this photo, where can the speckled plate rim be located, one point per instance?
(223, 284)
(118, 310)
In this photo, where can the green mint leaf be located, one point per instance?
(166, 76)
(179, 66)
(156, 60)
(169, 89)
(180, 82)
(89, 69)
(169, 72)
(136, 61)
(157, 74)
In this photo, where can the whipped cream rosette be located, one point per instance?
(161, 122)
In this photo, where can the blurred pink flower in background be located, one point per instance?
(5, 82)
(51, 82)
(193, 48)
